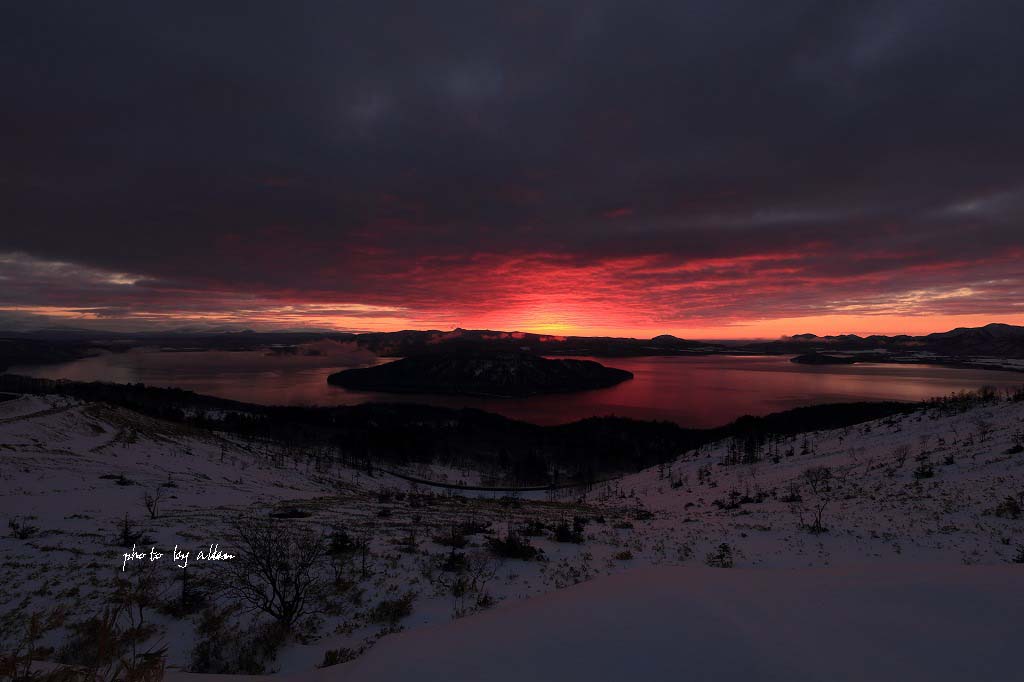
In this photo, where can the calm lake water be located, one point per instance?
(697, 391)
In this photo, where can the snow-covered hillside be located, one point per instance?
(911, 488)
(872, 507)
(876, 622)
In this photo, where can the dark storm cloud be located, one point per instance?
(320, 152)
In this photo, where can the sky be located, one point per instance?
(709, 169)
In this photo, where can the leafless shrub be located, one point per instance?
(982, 428)
(26, 647)
(21, 529)
(465, 578)
(792, 493)
(277, 571)
(152, 501)
(821, 483)
(111, 645)
(223, 648)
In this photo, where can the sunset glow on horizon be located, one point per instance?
(637, 297)
(613, 179)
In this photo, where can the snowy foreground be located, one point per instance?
(907, 622)
(882, 551)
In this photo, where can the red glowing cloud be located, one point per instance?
(601, 172)
(750, 295)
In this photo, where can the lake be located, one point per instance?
(692, 391)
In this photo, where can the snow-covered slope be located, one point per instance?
(905, 504)
(923, 487)
(912, 622)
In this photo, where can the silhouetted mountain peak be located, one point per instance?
(994, 330)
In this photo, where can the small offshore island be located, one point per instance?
(821, 359)
(505, 375)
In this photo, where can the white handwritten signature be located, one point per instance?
(180, 557)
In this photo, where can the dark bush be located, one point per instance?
(340, 542)
(533, 528)
(721, 557)
(391, 611)
(223, 648)
(1009, 508)
(566, 533)
(342, 655)
(455, 562)
(21, 529)
(290, 513)
(513, 546)
(453, 538)
(474, 527)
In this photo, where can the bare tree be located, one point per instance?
(820, 481)
(983, 429)
(277, 570)
(134, 596)
(900, 454)
(466, 579)
(152, 501)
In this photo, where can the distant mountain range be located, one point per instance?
(994, 345)
(993, 340)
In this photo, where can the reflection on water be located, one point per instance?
(700, 392)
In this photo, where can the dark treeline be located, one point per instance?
(20, 351)
(813, 418)
(375, 435)
(752, 439)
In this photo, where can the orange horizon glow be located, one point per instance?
(824, 325)
(549, 322)
(760, 295)
(536, 168)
